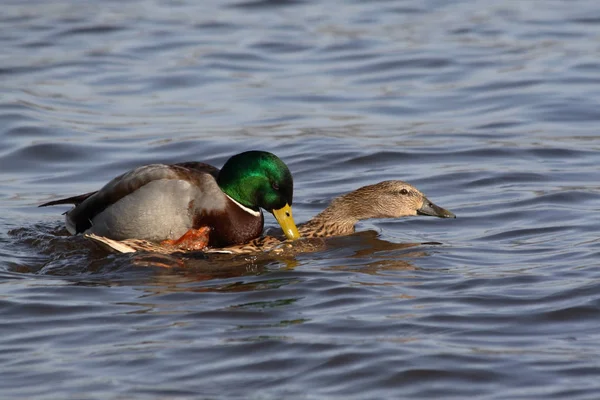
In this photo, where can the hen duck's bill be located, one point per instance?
(428, 208)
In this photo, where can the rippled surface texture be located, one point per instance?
(490, 108)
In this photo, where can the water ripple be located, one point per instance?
(490, 109)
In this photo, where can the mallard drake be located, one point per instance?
(388, 199)
(189, 204)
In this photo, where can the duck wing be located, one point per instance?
(89, 205)
(69, 200)
(200, 167)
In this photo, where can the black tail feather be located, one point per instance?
(70, 200)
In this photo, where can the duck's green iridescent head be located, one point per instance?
(260, 179)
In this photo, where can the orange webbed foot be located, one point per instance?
(192, 240)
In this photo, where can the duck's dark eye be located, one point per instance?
(404, 192)
(275, 186)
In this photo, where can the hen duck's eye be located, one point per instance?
(275, 186)
(404, 192)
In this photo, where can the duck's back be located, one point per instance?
(152, 202)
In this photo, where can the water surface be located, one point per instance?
(491, 110)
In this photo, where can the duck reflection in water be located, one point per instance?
(363, 252)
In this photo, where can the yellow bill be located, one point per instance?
(285, 219)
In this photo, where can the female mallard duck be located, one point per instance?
(182, 204)
(388, 199)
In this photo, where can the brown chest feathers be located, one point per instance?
(230, 226)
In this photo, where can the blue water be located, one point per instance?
(490, 108)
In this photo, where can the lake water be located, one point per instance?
(492, 109)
